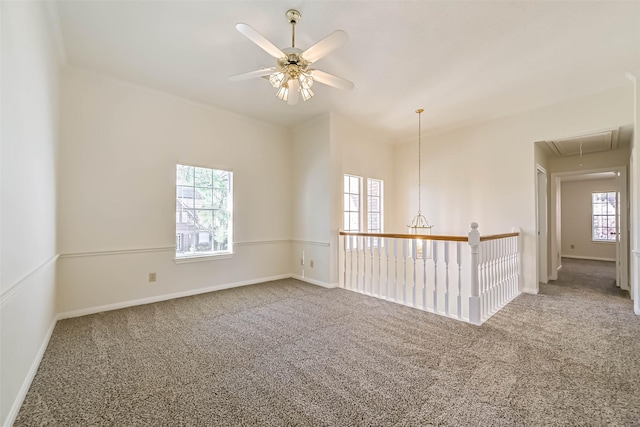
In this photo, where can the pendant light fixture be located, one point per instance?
(419, 224)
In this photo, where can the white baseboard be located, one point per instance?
(591, 258)
(315, 282)
(165, 297)
(26, 384)
(532, 291)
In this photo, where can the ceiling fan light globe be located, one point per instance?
(306, 93)
(283, 93)
(306, 81)
(277, 79)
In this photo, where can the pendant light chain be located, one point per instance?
(580, 153)
(419, 158)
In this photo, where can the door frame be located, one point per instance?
(542, 271)
(622, 255)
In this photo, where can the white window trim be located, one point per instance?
(360, 202)
(204, 256)
(381, 206)
(615, 215)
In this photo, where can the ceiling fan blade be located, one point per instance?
(325, 46)
(294, 93)
(249, 32)
(251, 74)
(331, 80)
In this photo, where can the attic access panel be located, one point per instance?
(592, 143)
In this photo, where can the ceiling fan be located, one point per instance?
(293, 75)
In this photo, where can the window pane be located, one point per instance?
(221, 180)
(346, 222)
(202, 177)
(184, 175)
(374, 222)
(354, 221)
(354, 204)
(204, 220)
(346, 183)
(374, 187)
(374, 204)
(354, 185)
(185, 196)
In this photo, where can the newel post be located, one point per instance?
(474, 298)
(519, 256)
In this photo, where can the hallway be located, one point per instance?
(590, 277)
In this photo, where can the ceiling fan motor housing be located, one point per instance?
(293, 16)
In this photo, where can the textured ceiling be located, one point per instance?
(462, 62)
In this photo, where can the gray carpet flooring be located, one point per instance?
(287, 353)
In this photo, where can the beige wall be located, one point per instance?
(120, 145)
(312, 200)
(357, 150)
(486, 172)
(324, 149)
(576, 220)
(29, 123)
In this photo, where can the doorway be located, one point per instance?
(620, 233)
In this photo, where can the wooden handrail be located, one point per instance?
(408, 236)
(498, 236)
(428, 237)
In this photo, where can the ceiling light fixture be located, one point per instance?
(419, 224)
(292, 76)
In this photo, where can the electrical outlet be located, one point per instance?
(311, 264)
(152, 277)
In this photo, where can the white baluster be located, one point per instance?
(459, 262)
(505, 271)
(351, 250)
(364, 264)
(371, 252)
(379, 249)
(344, 254)
(435, 275)
(414, 245)
(493, 276)
(395, 270)
(386, 256)
(404, 270)
(424, 244)
(446, 278)
(484, 276)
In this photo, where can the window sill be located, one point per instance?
(606, 242)
(202, 258)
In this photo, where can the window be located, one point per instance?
(203, 211)
(352, 186)
(374, 206)
(604, 217)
